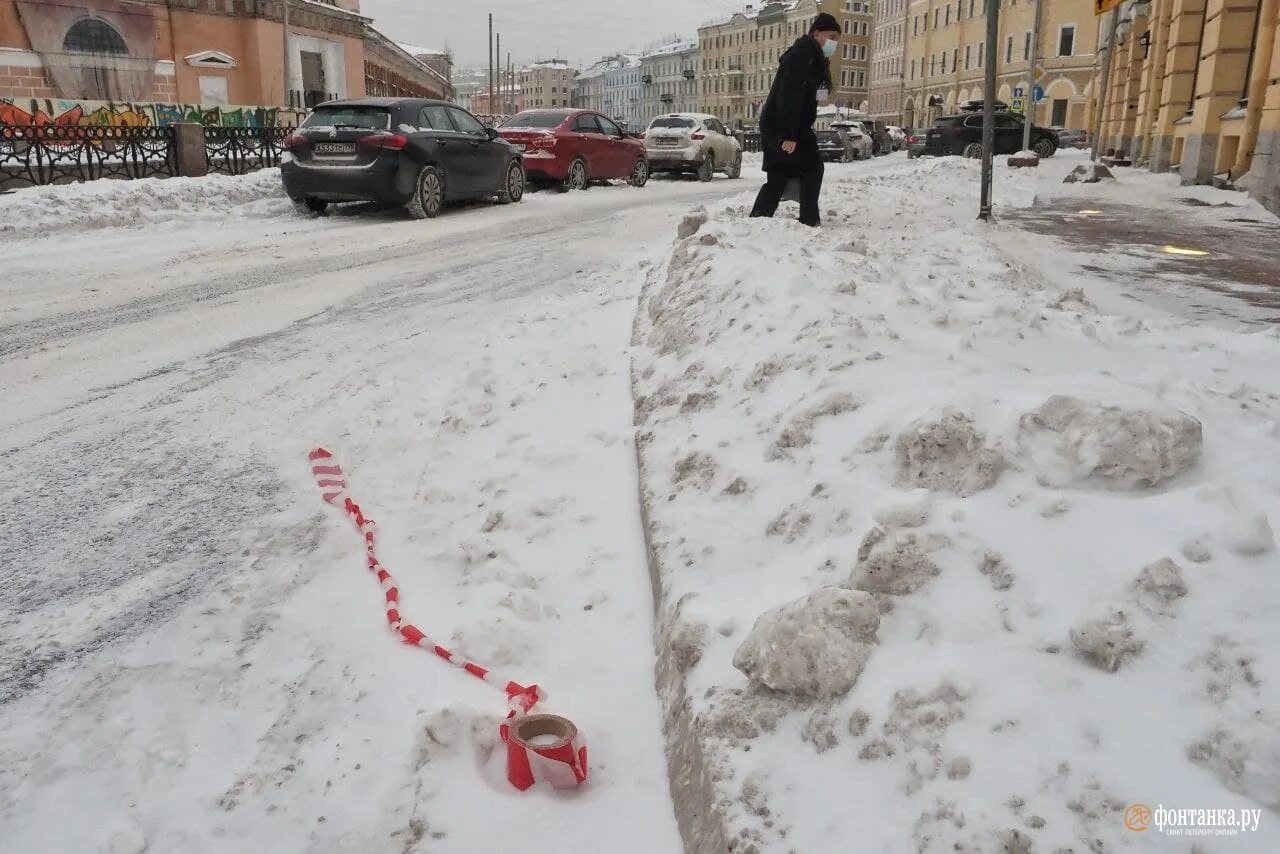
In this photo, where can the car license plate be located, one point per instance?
(6, 148)
(669, 142)
(519, 146)
(334, 148)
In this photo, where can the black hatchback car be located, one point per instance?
(962, 135)
(409, 152)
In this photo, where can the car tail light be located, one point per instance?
(912, 140)
(296, 140)
(385, 139)
(698, 136)
(543, 142)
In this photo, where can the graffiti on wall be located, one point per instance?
(65, 113)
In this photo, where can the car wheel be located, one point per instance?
(735, 171)
(513, 189)
(973, 150)
(427, 200)
(707, 169)
(1044, 148)
(577, 178)
(639, 173)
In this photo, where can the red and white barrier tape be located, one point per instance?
(562, 761)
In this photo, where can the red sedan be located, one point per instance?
(572, 148)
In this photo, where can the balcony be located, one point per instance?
(647, 79)
(667, 99)
(689, 74)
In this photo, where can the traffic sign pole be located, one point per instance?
(989, 111)
(1029, 115)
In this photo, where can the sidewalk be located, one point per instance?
(1203, 253)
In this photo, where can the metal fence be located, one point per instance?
(239, 151)
(750, 140)
(58, 154)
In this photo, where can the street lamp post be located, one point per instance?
(989, 109)
(1030, 102)
(284, 72)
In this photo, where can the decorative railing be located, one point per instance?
(35, 155)
(239, 151)
(750, 140)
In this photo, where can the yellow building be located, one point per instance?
(739, 55)
(944, 61)
(1195, 88)
(546, 85)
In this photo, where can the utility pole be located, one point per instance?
(510, 100)
(1029, 111)
(284, 74)
(490, 110)
(989, 108)
(1106, 83)
(497, 109)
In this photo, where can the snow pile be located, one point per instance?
(112, 203)
(1061, 503)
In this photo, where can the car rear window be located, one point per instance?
(536, 119)
(364, 118)
(828, 134)
(949, 121)
(681, 124)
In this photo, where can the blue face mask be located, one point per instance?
(829, 48)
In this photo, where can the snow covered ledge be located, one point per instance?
(1054, 499)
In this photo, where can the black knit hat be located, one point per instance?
(825, 23)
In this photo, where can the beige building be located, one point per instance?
(739, 55)
(1195, 88)
(888, 43)
(546, 85)
(945, 58)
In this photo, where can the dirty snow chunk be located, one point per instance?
(895, 566)
(903, 510)
(1073, 441)
(690, 225)
(1106, 641)
(813, 647)
(1248, 767)
(799, 433)
(949, 455)
(1089, 173)
(1249, 536)
(1162, 581)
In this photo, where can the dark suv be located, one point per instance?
(962, 135)
(398, 151)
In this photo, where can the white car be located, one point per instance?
(692, 142)
(899, 137)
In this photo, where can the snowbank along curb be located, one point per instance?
(1050, 497)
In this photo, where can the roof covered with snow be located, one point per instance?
(421, 51)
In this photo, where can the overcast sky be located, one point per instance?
(574, 30)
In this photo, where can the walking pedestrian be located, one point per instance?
(786, 122)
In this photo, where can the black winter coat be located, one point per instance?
(792, 106)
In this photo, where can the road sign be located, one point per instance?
(1017, 105)
(1018, 92)
(1040, 73)
(1038, 94)
(1101, 7)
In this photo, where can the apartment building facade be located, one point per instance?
(888, 47)
(546, 85)
(945, 58)
(623, 91)
(1195, 89)
(669, 74)
(739, 55)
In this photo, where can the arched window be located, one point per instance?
(91, 35)
(98, 44)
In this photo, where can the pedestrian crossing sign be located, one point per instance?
(1017, 105)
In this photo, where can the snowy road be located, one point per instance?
(191, 652)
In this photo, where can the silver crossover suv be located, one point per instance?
(692, 142)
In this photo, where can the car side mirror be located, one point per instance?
(491, 133)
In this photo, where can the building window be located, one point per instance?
(1026, 47)
(101, 42)
(1059, 118)
(967, 49)
(982, 54)
(1067, 40)
(1008, 50)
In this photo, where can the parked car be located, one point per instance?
(862, 145)
(836, 145)
(962, 135)
(410, 152)
(572, 148)
(897, 136)
(877, 132)
(1071, 138)
(915, 143)
(693, 142)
